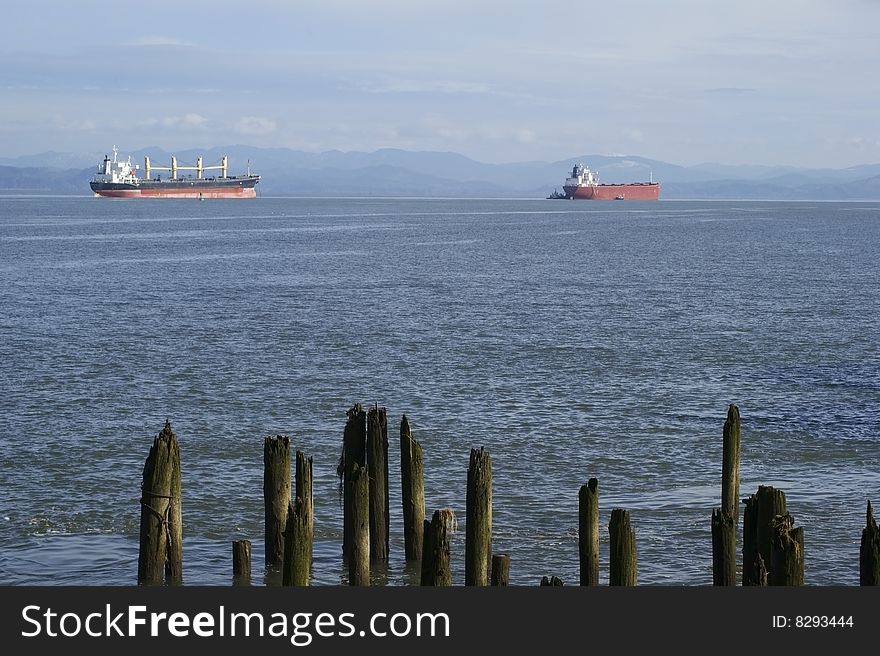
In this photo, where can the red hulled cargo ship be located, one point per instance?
(584, 184)
(118, 179)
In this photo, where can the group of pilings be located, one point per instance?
(772, 547)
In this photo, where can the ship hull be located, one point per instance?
(239, 187)
(632, 191)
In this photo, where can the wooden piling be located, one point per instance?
(241, 561)
(174, 562)
(724, 521)
(299, 530)
(771, 503)
(723, 548)
(760, 511)
(435, 557)
(478, 529)
(354, 453)
(500, 569)
(622, 556)
(730, 465)
(869, 551)
(358, 558)
(377, 465)
(160, 557)
(276, 495)
(588, 532)
(787, 552)
(413, 483)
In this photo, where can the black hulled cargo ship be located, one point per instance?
(119, 179)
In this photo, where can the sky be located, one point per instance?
(763, 82)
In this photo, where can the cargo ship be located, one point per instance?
(584, 184)
(119, 179)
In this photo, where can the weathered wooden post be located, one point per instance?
(588, 532)
(724, 521)
(787, 552)
(771, 502)
(358, 558)
(869, 551)
(160, 556)
(478, 529)
(299, 530)
(354, 452)
(241, 561)
(436, 570)
(377, 465)
(413, 483)
(276, 495)
(622, 555)
(174, 562)
(761, 509)
(500, 569)
(723, 548)
(730, 464)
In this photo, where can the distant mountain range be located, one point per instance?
(393, 172)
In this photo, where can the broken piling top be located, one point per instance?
(164, 448)
(354, 440)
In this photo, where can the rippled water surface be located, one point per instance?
(570, 339)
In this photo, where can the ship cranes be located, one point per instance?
(199, 168)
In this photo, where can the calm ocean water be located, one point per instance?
(570, 339)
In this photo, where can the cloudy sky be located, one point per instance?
(793, 82)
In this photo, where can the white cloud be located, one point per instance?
(255, 125)
(191, 120)
(526, 136)
(74, 124)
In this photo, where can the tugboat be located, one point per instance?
(556, 194)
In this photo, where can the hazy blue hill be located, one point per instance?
(42, 180)
(381, 180)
